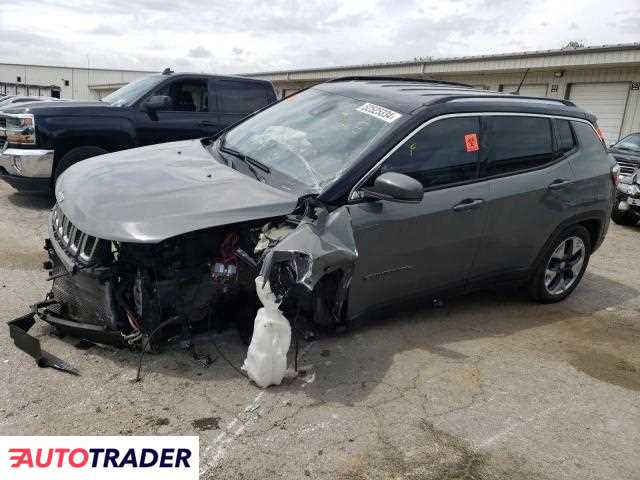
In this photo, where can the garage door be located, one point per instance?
(606, 101)
(533, 90)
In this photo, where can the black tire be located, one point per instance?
(626, 219)
(538, 288)
(74, 156)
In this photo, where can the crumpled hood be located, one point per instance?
(625, 155)
(149, 194)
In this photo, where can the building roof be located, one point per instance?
(76, 68)
(628, 53)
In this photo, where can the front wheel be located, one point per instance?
(561, 265)
(74, 156)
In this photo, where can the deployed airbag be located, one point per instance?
(266, 362)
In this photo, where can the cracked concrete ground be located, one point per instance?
(490, 386)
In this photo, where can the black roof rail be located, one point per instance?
(567, 103)
(398, 79)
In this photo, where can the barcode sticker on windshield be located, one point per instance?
(377, 111)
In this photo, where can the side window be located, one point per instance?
(587, 138)
(442, 153)
(517, 143)
(240, 97)
(187, 95)
(564, 136)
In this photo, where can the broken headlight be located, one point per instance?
(21, 129)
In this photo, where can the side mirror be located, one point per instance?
(158, 102)
(395, 187)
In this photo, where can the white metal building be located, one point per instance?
(63, 82)
(603, 80)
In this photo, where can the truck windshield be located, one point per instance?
(313, 136)
(129, 94)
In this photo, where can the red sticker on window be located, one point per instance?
(471, 142)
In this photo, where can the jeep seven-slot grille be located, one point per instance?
(627, 168)
(76, 244)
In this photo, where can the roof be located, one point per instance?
(213, 76)
(406, 95)
(511, 60)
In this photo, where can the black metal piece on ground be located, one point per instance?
(18, 329)
(148, 342)
(296, 335)
(203, 358)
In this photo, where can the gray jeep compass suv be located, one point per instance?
(344, 198)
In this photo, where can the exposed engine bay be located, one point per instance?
(137, 295)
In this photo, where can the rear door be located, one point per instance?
(236, 99)
(531, 189)
(408, 249)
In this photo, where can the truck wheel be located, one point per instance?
(626, 219)
(74, 156)
(561, 266)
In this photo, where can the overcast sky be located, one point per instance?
(239, 36)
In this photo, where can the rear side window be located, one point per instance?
(240, 97)
(442, 153)
(587, 138)
(564, 136)
(517, 143)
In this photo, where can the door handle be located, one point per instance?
(204, 123)
(559, 183)
(468, 204)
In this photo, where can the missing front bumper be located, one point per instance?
(19, 328)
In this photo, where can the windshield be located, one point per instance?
(5, 101)
(312, 137)
(630, 142)
(129, 94)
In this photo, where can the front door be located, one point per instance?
(406, 250)
(191, 114)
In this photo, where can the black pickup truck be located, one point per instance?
(39, 141)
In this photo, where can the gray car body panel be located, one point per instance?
(316, 248)
(149, 194)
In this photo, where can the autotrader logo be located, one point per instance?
(70, 458)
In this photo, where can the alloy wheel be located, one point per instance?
(564, 266)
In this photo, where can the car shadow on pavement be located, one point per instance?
(355, 366)
(351, 367)
(32, 201)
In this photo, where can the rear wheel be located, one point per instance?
(625, 218)
(561, 266)
(74, 156)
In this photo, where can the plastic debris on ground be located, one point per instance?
(266, 362)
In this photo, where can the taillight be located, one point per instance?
(601, 135)
(615, 174)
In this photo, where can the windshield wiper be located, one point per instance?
(251, 163)
(627, 149)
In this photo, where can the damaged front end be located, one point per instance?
(315, 261)
(138, 295)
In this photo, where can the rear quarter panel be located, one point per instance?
(593, 189)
